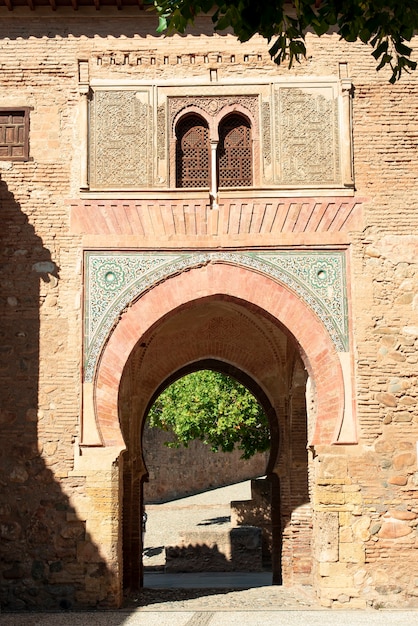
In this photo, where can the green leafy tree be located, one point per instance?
(386, 25)
(214, 408)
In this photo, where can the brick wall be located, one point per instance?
(57, 551)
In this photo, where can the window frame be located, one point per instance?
(26, 125)
(179, 139)
(214, 123)
(222, 124)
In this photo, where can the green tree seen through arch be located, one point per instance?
(215, 409)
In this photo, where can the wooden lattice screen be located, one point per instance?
(235, 152)
(192, 153)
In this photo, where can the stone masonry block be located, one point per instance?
(352, 553)
(326, 537)
(323, 496)
(334, 570)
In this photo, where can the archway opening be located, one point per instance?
(192, 152)
(217, 437)
(240, 339)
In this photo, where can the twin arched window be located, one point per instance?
(233, 158)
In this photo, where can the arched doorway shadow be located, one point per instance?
(233, 338)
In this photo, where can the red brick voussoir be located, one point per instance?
(225, 281)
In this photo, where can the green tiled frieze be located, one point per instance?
(114, 279)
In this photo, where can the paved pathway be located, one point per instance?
(212, 599)
(266, 617)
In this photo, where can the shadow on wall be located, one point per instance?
(235, 550)
(253, 512)
(47, 560)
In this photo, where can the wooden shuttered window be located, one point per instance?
(14, 134)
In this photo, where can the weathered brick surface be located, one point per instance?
(61, 508)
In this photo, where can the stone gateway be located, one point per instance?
(175, 203)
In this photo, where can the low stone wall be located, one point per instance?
(256, 512)
(176, 473)
(232, 550)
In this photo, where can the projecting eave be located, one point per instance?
(75, 5)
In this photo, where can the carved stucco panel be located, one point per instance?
(307, 136)
(161, 132)
(266, 141)
(162, 144)
(120, 139)
(213, 105)
(298, 131)
(114, 279)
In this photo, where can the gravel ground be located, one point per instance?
(221, 617)
(255, 599)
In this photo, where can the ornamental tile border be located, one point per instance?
(115, 279)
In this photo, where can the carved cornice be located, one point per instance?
(257, 215)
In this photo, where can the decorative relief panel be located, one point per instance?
(114, 279)
(266, 141)
(120, 139)
(307, 136)
(298, 131)
(266, 132)
(212, 105)
(161, 132)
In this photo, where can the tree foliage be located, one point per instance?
(214, 408)
(386, 25)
